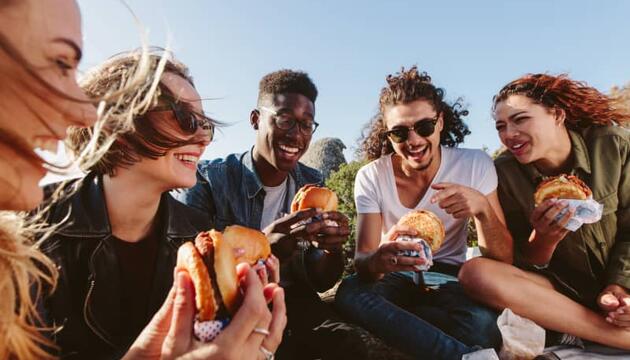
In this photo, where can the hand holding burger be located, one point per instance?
(429, 235)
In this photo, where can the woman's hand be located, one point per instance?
(252, 331)
(543, 219)
(386, 258)
(614, 300)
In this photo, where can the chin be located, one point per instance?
(28, 198)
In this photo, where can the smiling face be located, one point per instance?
(281, 149)
(178, 167)
(46, 35)
(417, 152)
(528, 130)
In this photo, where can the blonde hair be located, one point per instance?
(24, 271)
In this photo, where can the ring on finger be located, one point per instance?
(261, 331)
(268, 354)
(394, 260)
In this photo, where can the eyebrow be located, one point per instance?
(78, 53)
(517, 114)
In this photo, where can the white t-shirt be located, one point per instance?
(275, 202)
(375, 192)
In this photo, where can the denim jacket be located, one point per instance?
(86, 302)
(231, 193)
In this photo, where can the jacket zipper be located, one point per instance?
(93, 327)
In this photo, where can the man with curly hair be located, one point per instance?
(416, 164)
(255, 189)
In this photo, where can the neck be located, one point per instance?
(268, 174)
(132, 204)
(558, 158)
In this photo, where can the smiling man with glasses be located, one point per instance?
(255, 189)
(417, 165)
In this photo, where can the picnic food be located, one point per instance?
(561, 187)
(312, 196)
(211, 263)
(429, 226)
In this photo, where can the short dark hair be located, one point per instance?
(287, 81)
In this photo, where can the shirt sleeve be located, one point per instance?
(618, 267)
(365, 192)
(485, 174)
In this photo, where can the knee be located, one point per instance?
(475, 275)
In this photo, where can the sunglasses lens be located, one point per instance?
(398, 135)
(424, 128)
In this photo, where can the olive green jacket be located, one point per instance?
(596, 255)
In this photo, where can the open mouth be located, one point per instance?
(288, 152)
(188, 160)
(518, 148)
(418, 152)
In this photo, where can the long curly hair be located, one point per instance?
(583, 104)
(405, 87)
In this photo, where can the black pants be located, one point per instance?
(315, 331)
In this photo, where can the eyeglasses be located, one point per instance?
(188, 120)
(287, 122)
(424, 128)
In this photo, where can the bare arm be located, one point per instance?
(495, 241)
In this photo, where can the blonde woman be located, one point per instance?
(40, 47)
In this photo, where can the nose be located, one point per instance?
(413, 138)
(511, 131)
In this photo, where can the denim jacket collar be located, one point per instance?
(252, 181)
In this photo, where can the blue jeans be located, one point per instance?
(441, 323)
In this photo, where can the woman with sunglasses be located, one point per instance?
(569, 282)
(117, 250)
(416, 165)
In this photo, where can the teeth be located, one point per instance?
(187, 158)
(48, 144)
(417, 151)
(292, 150)
(517, 146)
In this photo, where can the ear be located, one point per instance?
(560, 115)
(254, 117)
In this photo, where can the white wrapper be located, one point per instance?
(586, 212)
(426, 252)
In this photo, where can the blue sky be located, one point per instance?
(470, 48)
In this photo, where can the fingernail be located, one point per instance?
(609, 320)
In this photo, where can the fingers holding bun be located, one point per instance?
(253, 243)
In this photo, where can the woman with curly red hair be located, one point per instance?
(568, 282)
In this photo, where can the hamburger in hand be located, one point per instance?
(562, 187)
(211, 263)
(430, 235)
(315, 197)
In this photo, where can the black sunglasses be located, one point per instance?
(424, 128)
(188, 120)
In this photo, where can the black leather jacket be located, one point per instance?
(87, 301)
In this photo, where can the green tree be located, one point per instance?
(342, 183)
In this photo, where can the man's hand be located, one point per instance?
(386, 258)
(614, 300)
(460, 201)
(284, 233)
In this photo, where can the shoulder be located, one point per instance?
(476, 156)
(196, 219)
(596, 135)
(208, 167)
(505, 161)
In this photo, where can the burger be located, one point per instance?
(313, 196)
(428, 225)
(430, 236)
(211, 263)
(562, 187)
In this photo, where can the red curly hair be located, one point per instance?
(583, 105)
